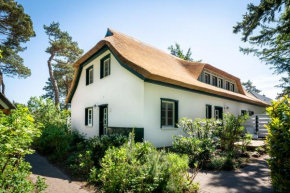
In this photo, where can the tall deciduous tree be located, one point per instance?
(16, 28)
(250, 87)
(271, 44)
(63, 53)
(178, 52)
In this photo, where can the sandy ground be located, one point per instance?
(56, 180)
(252, 178)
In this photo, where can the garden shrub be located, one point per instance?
(17, 132)
(100, 144)
(246, 140)
(230, 132)
(140, 167)
(200, 143)
(223, 163)
(279, 144)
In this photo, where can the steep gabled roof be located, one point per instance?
(152, 64)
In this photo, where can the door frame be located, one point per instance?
(101, 114)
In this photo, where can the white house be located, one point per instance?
(124, 83)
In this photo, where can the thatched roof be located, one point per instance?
(156, 65)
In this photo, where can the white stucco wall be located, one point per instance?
(121, 90)
(135, 103)
(191, 105)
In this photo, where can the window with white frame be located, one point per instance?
(89, 75)
(106, 67)
(167, 113)
(232, 87)
(89, 116)
(220, 83)
(207, 78)
(227, 85)
(214, 80)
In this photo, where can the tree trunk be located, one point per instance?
(53, 81)
(2, 82)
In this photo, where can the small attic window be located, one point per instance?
(207, 78)
(105, 66)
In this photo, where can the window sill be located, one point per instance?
(89, 126)
(168, 128)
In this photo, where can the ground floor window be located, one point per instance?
(89, 116)
(169, 113)
(208, 111)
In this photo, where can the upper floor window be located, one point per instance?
(207, 78)
(89, 75)
(227, 85)
(220, 83)
(214, 80)
(232, 87)
(105, 66)
(169, 113)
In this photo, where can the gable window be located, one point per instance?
(227, 85)
(232, 87)
(105, 66)
(208, 111)
(89, 116)
(220, 83)
(169, 113)
(89, 75)
(207, 78)
(214, 80)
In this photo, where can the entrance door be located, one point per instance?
(218, 112)
(103, 120)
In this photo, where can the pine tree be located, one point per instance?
(63, 53)
(271, 44)
(250, 87)
(16, 28)
(178, 52)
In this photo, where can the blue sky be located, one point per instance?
(205, 26)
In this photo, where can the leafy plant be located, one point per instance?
(201, 142)
(246, 140)
(230, 132)
(17, 132)
(279, 144)
(139, 167)
(40, 185)
(100, 144)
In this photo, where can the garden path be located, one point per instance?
(252, 178)
(56, 180)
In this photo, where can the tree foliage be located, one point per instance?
(250, 87)
(17, 132)
(63, 53)
(285, 85)
(178, 52)
(16, 28)
(279, 144)
(271, 43)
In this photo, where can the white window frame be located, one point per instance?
(219, 83)
(205, 75)
(217, 114)
(91, 76)
(90, 117)
(106, 64)
(166, 114)
(232, 87)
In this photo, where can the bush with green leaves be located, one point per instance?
(278, 141)
(100, 144)
(223, 163)
(200, 143)
(230, 132)
(246, 140)
(140, 167)
(17, 132)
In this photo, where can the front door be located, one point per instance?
(103, 119)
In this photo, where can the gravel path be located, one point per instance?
(56, 180)
(252, 178)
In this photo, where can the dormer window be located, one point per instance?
(214, 80)
(227, 85)
(207, 78)
(232, 87)
(220, 83)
